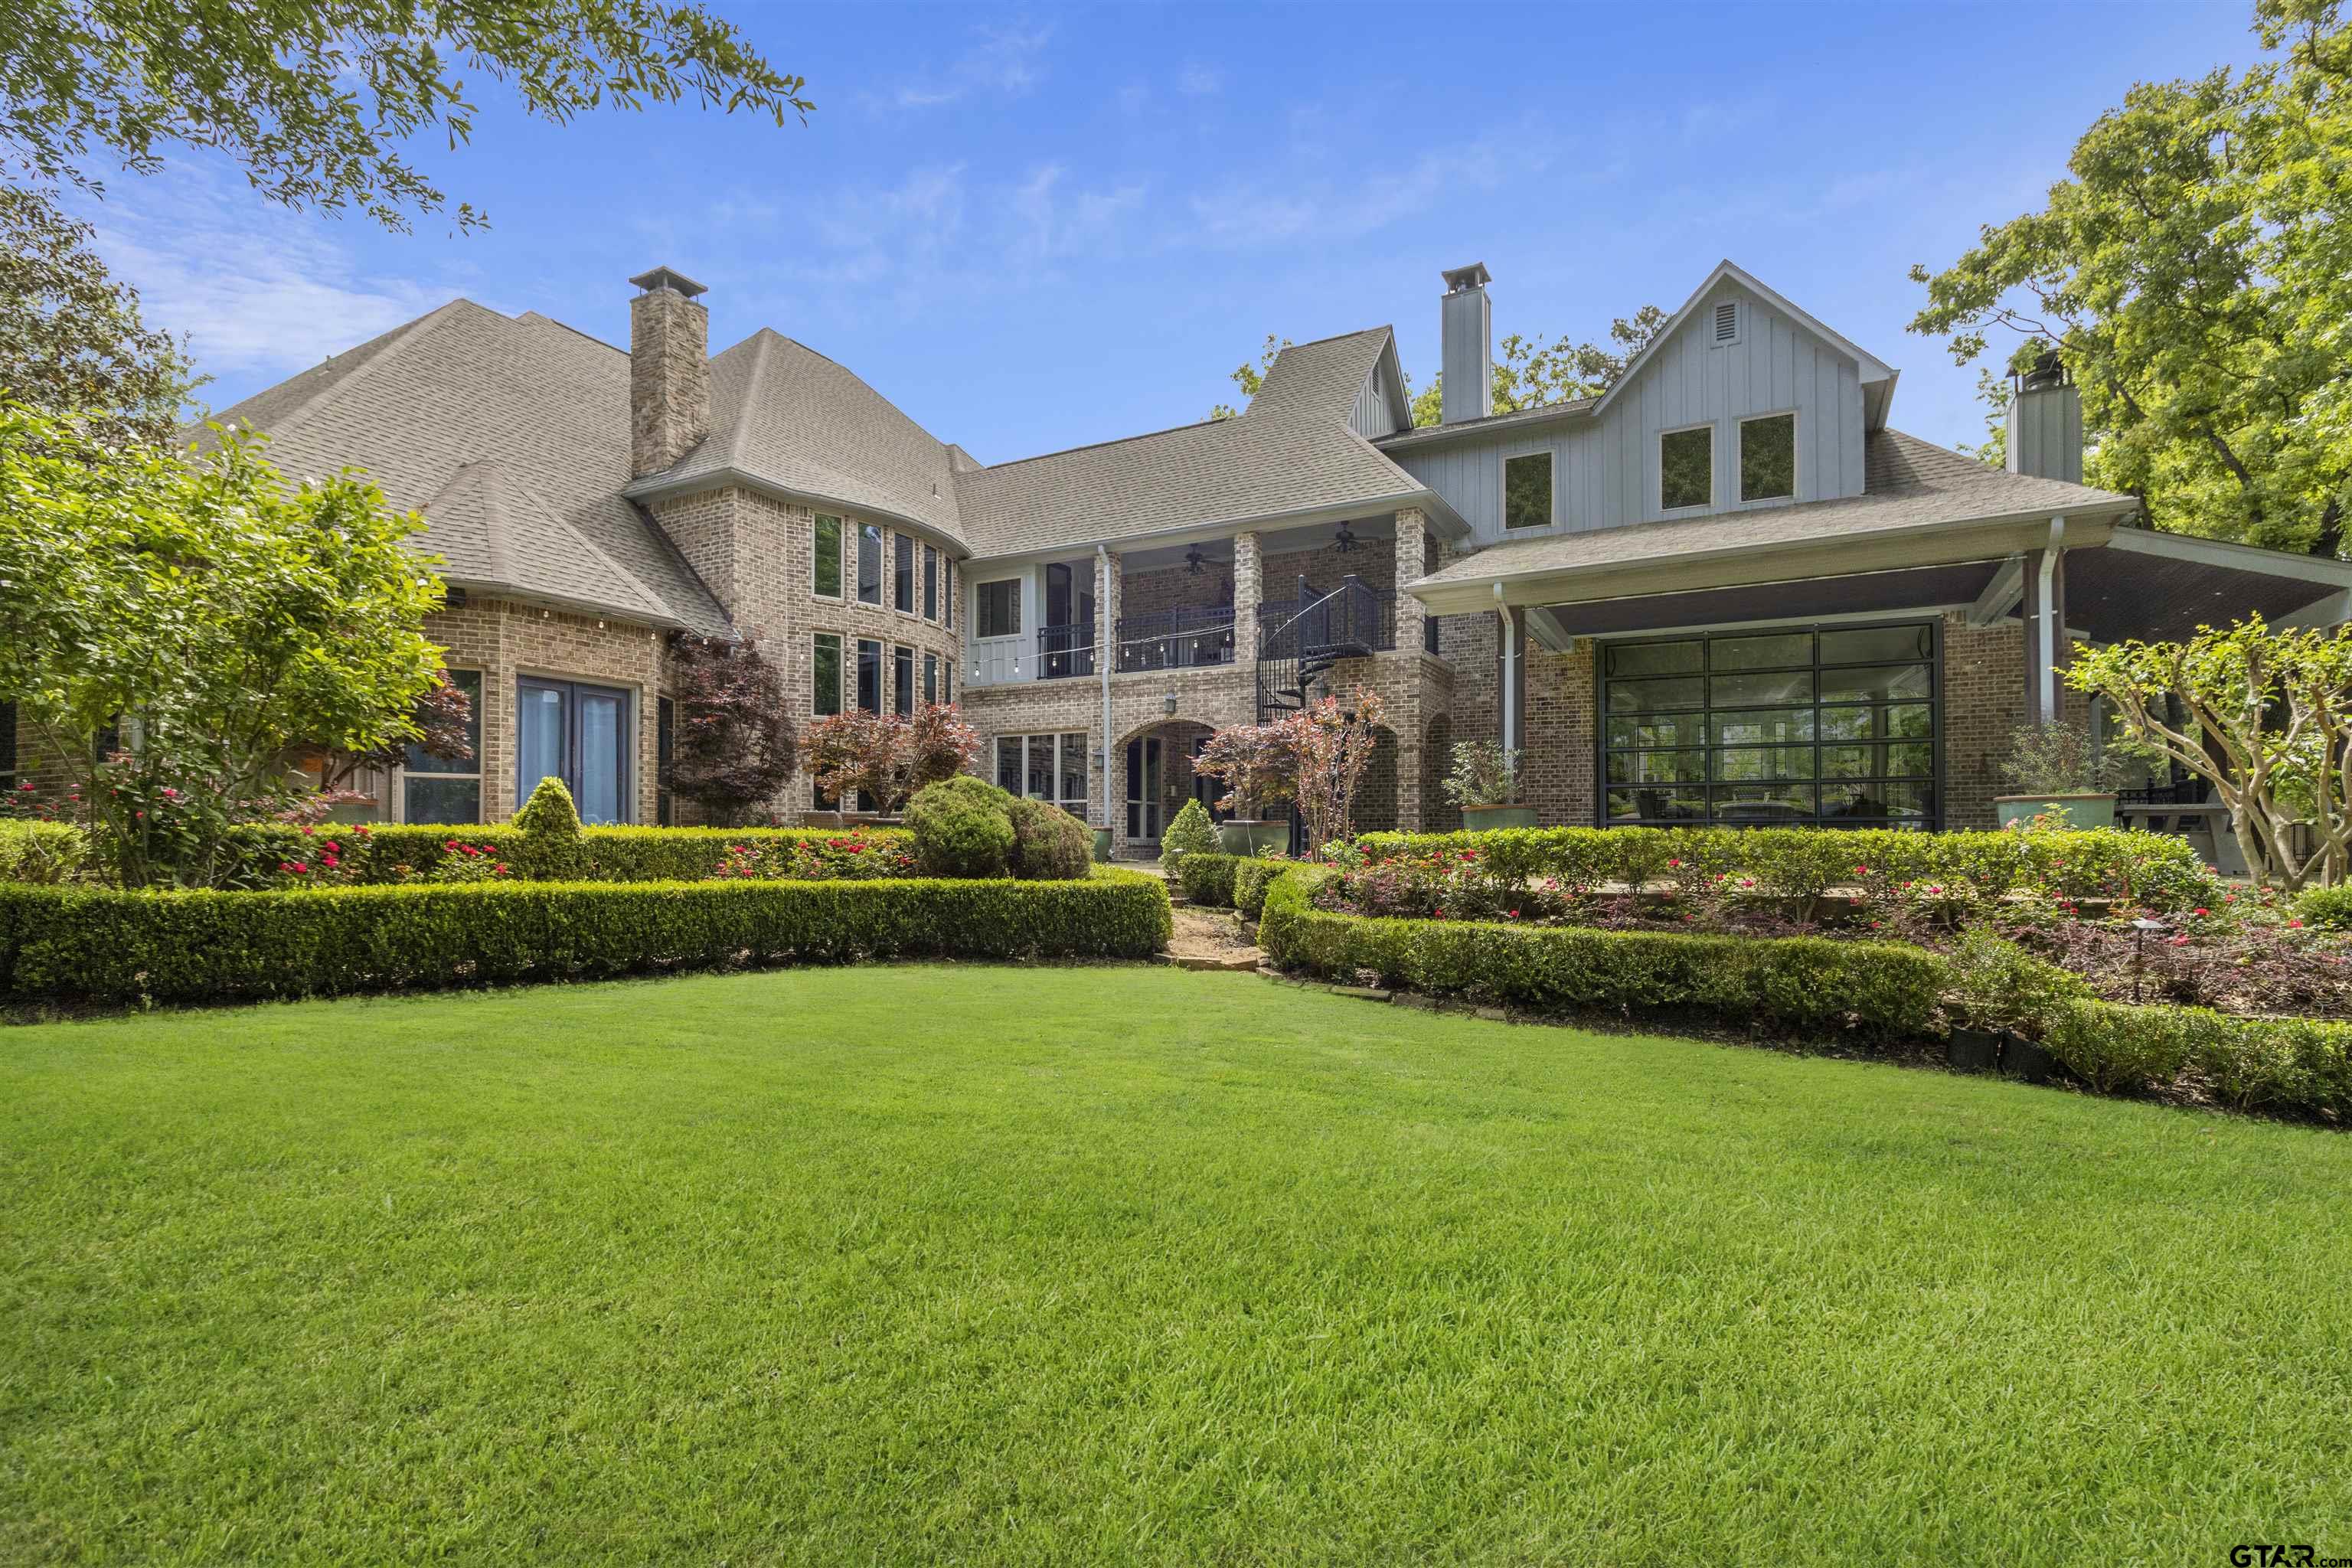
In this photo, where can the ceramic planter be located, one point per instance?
(1247, 837)
(1102, 844)
(1481, 818)
(2080, 810)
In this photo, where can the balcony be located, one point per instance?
(1175, 639)
(1066, 651)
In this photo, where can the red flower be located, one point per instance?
(2204, 911)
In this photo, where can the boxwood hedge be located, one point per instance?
(609, 854)
(1207, 879)
(101, 945)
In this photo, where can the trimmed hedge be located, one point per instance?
(95, 945)
(2154, 869)
(1208, 880)
(1886, 990)
(612, 854)
(1252, 878)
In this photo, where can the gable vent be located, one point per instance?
(1727, 321)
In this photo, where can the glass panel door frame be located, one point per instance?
(1705, 711)
(571, 695)
(1143, 806)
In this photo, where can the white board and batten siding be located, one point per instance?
(1374, 414)
(1605, 468)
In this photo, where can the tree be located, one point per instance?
(886, 759)
(1257, 763)
(177, 629)
(443, 719)
(71, 341)
(1250, 377)
(2269, 725)
(316, 98)
(1332, 746)
(734, 744)
(1532, 374)
(2194, 274)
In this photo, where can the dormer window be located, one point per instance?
(1527, 490)
(1728, 318)
(1687, 468)
(1768, 458)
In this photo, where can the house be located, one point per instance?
(1727, 589)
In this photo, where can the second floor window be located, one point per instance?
(825, 692)
(1527, 490)
(1000, 609)
(930, 583)
(1768, 458)
(903, 584)
(869, 564)
(1687, 468)
(827, 540)
(869, 675)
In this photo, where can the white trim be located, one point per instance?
(2236, 557)
(1741, 501)
(1843, 617)
(1658, 467)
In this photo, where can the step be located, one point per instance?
(1239, 963)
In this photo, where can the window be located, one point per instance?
(1687, 468)
(869, 675)
(931, 582)
(931, 678)
(1045, 767)
(579, 734)
(1000, 609)
(434, 789)
(826, 543)
(869, 564)
(1768, 458)
(948, 579)
(665, 748)
(1833, 727)
(1527, 490)
(824, 695)
(902, 682)
(902, 585)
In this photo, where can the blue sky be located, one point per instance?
(1036, 229)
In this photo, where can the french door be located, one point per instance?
(579, 734)
(1143, 787)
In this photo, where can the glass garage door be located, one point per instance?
(1833, 727)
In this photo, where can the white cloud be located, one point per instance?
(1057, 222)
(1004, 63)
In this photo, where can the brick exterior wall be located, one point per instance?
(1983, 687)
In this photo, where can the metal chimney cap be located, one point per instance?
(1474, 276)
(664, 277)
(2048, 370)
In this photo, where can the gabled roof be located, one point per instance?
(786, 418)
(1321, 378)
(511, 435)
(1908, 485)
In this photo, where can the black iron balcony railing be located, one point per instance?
(1065, 650)
(1296, 644)
(1176, 639)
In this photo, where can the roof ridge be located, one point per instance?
(401, 337)
(575, 331)
(875, 391)
(1112, 441)
(1387, 327)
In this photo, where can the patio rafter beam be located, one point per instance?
(2001, 595)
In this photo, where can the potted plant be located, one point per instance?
(1484, 778)
(2058, 768)
(2002, 1000)
(1259, 768)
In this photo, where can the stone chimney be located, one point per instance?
(2045, 423)
(669, 371)
(1466, 343)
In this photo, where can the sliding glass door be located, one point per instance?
(579, 734)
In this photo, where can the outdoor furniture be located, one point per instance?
(2206, 824)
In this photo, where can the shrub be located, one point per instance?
(1251, 876)
(103, 945)
(1049, 845)
(42, 852)
(552, 850)
(1193, 833)
(377, 853)
(2325, 909)
(962, 827)
(1208, 880)
(1997, 984)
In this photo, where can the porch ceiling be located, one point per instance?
(1811, 599)
(2165, 585)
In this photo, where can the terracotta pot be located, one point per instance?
(2080, 810)
(1481, 818)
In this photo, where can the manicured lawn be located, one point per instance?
(1109, 1265)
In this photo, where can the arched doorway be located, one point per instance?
(1157, 778)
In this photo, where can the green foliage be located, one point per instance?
(2325, 909)
(1530, 373)
(962, 827)
(2194, 275)
(1992, 984)
(1482, 773)
(1249, 377)
(2055, 759)
(1049, 845)
(552, 849)
(1193, 833)
(42, 852)
(2160, 870)
(317, 100)
(72, 344)
(1208, 879)
(374, 853)
(210, 946)
(1252, 878)
(221, 621)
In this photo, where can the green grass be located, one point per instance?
(1127, 1265)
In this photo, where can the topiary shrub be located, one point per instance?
(962, 827)
(1049, 845)
(2329, 909)
(1190, 833)
(552, 850)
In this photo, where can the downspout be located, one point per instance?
(2046, 634)
(1108, 656)
(1510, 665)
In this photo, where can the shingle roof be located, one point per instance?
(783, 413)
(1906, 482)
(1320, 378)
(511, 435)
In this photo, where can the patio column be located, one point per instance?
(1411, 541)
(1248, 589)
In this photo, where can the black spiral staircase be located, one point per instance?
(1298, 642)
